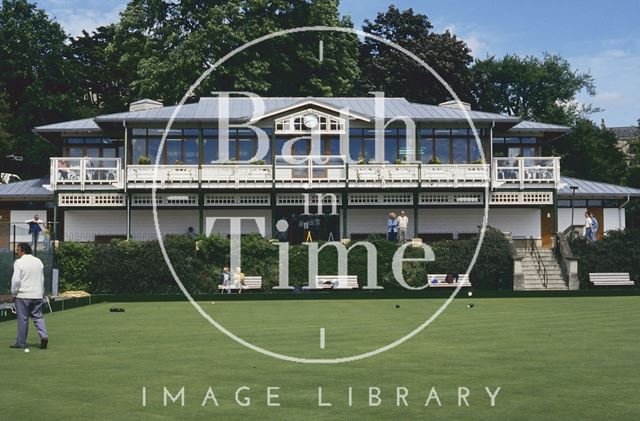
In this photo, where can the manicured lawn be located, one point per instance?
(554, 359)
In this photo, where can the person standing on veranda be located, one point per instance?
(403, 226)
(392, 228)
(594, 227)
(588, 226)
(27, 289)
(35, 228)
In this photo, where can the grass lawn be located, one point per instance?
(553, 358)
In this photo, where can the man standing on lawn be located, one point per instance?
(27, 289)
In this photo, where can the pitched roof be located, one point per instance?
(240, 108)
(596, 189)
(525, 126)
(85, 124)
(29, 189)
(625, 132)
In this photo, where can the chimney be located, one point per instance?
(145, 104)
(603, 126)
(455, 105)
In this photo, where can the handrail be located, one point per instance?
(535, 253)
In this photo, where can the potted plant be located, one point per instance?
(259, 162)
(476, 162)
(435, 161)
(178, 162)
(361, 161)
(144, 160)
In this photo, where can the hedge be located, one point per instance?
(138, 267)
(618, 251)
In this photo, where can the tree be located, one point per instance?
(386, 69)
(104, 79)
(532, 88)
(171, 44)
(36, 77)
(589, 152)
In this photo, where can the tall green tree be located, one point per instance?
(171, 44)
(105, 80)
(386, 69)
(533, 88)
(589, 152)
(37, 78)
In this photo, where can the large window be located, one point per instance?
(182, 146)
(448, 146)
(93, 147)
(516, 146)
(362, 145)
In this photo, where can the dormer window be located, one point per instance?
(310, 120)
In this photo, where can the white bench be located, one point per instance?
(612, 279)
(335, 282)
(441, 278)
(250, 282)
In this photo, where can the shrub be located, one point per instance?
(138, 266)
(618, 251)
(74, 261)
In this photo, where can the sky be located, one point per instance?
(596, 36)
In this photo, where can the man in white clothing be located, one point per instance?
(27, 288)
(403, 225)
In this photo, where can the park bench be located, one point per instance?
(335, 282)
(610, 279)
(441, 281)
(250, 282)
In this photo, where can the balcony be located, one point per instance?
(521, 172)
(86, 173)
(304, 172)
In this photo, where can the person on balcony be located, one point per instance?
(403, 225)
(63, 171)
(392, 228)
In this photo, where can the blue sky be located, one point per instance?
(602, 37)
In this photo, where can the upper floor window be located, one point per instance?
(516, 146)
(448, 146)
(308, 121)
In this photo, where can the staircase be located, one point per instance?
(533, 276)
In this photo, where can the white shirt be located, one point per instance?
(587, 222)
(403, 221)
(28, 278)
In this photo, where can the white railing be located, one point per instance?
(85, 172)
(305, 171)
(186, 175)
(526, 171)
(309, 170)
(454, 175)
(237, 175)
(375, 175)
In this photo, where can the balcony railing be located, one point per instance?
(305, 172)
(84, 173)
(310, 171)
(526, 172)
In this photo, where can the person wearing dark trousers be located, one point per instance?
(27, 289)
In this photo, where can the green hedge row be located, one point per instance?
(618, 251)
(138, 267)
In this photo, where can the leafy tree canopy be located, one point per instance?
(384, 68)
(171, 44)
(542, 89)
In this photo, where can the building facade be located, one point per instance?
(222, 158)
